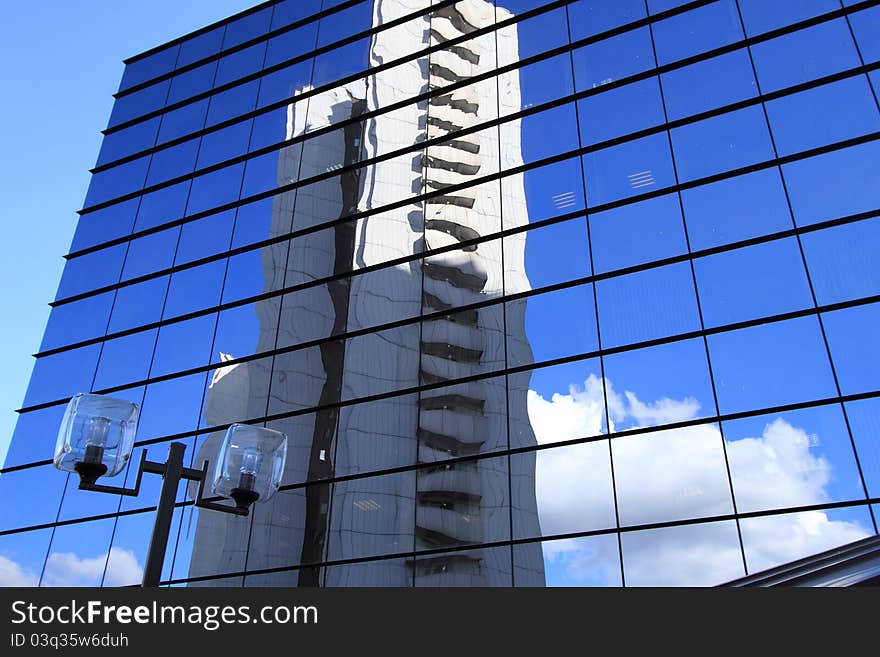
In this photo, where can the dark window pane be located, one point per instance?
(240, 64)
(150, 253)
(195, 288)
(183, 345)
(182, 121)
(138, 304)
(247, 28)
(91, 271)
(149, 67)
(204, 237)
(105, 224)
(200, 47)
(80, 320)
(163, 205)
(62, 375)
(125, 360)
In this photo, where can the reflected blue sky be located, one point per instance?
(794, 458)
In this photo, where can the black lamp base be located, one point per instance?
(89, 472)
(243, 497)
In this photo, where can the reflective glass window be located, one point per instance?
(62, 375)
(804, 55)
(291, 44)
(138, 304)
(183, 345)
(629, 169)
(200, 47)
(612, 59)
(195, 288)
(756, 281)
(151, 66)
(854, 350)
(240, 63)
(834, 184)
(31, 439)
(133, 139)
(233, 102)
(798, 458)
(182, 121)
(161, 206)
(204, 237)
(770, 541)
(76, 321)
(33, 495)
(91, 271)
(584, 561)
(291, 11)
(79, 554)
(736, 209)
(192, 82)
(553, 254)
(24, 555)
(150, 253)
(866, 26)
(589, 17)
(760, 16)
(117, 181)
(697, 31)
(770, 365)
(721, 80)
(676, 556)
(224, 144)
(616, 112)
(173, 162)
(125, 360)
(140, 102)
(637, 233)
(247, 27)
(341, 62)
(647, 305)
(864, 421)
(105, 224)
(659, 385)
(721, 143)
(214, 189)
(816, 117)
(171, 407)
(843, 261)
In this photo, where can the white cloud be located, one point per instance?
(67, 569)
(12, 574)
(677, 474)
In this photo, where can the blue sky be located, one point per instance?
(60, 63)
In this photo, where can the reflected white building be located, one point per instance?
(444, 507)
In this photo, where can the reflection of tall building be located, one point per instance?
(450, 505)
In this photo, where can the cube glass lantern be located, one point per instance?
(96, 436)
(250, 464)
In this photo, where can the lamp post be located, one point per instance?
(97, 436)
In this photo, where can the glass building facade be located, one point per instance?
(542, 293)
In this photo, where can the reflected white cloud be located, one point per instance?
(67, 569)
(13, 574)
(677, 474)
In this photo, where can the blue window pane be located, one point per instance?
(757, 281)
(32, 497)
(238, 332)
(630, 169)
(139, 304)
(341, 62)
(612, 59)
(182, 121)
(247, 28)
(214, 189)
(548, 133)
(183, 345)
(195, 288)
(283, 84)
(538, 83)
(260, 174)
(721, 143)
(720, 80)
(133, 139)
(344, 23)
(77, 321)
(736, 209)
(62, 375)
(125, 360)
(548, 337)
(617, 112)
(29, 442)
(117, 181)
(291, 11)
(550, 191)
(240, 64)
(762, 16)
(553, 254)
(200, 47)
(790, 459)
(659, 385)
(253, 222)
(150, 253)
(192, 82)
(864, 421)
(140, 102)
(171, 407)
(647, 305)
(105, 224)
(835, 184)
(91, 271)
(204, 237)
(163, 205)
(697, 31)
(833, 112)
(843, 261)
(224, 144)
(636, 234)
(589, 17)
(173, 162)
(804, 55)
(770, 365)
(233, 102)
(149, 67)
(855, 351)
(866, 26)
(290, 44)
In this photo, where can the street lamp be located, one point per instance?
(96, 437)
